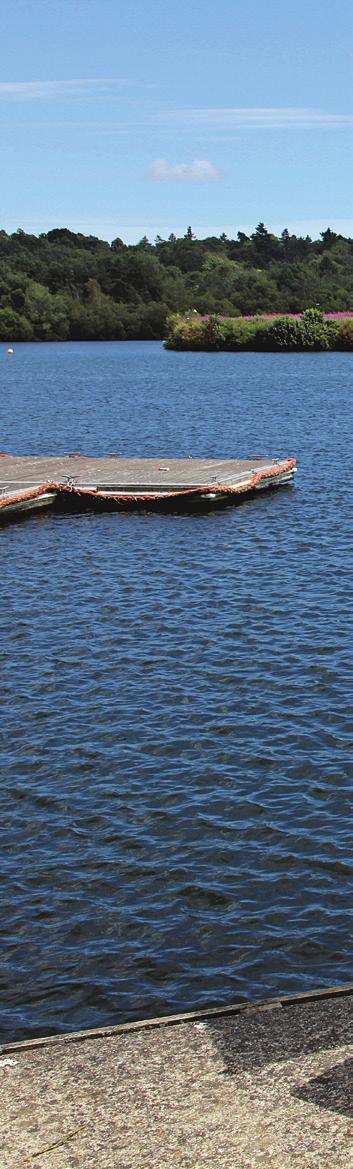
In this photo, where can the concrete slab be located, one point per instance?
(267, 1087)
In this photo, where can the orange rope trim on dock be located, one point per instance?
(213, 488)
(29, 493)
(270, 474)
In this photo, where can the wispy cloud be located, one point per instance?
(257, 118)
(56, 90)
(100, 128)
(198, 171)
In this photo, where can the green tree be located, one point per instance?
(14, 326)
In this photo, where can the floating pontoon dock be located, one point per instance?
(29, 483)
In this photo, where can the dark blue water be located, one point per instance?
(177, 723)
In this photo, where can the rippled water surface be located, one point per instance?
(177, 725)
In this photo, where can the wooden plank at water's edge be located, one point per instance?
(28, 482)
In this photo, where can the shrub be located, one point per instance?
(239, 334)
(309, 332)
(344, 335)
(314, 331)
(283, 333)
(185, 332)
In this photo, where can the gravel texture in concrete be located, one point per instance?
(267, 1087)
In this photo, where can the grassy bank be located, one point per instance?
(310, 331)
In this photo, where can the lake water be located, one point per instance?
(176, 737)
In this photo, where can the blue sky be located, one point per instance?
(142, 118)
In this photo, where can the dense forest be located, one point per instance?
(67, 286)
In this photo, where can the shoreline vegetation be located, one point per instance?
(199, 293)
(312, 330)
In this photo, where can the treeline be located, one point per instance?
(63, 285)
(310, 331)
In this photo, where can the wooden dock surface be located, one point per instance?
(29, 480)
(154, 474)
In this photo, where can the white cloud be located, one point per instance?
(54, 90)
(258, 118)
(198, 171)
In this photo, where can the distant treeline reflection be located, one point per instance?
(64, 285)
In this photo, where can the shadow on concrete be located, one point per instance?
(333, 1089)
(255, 1038)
